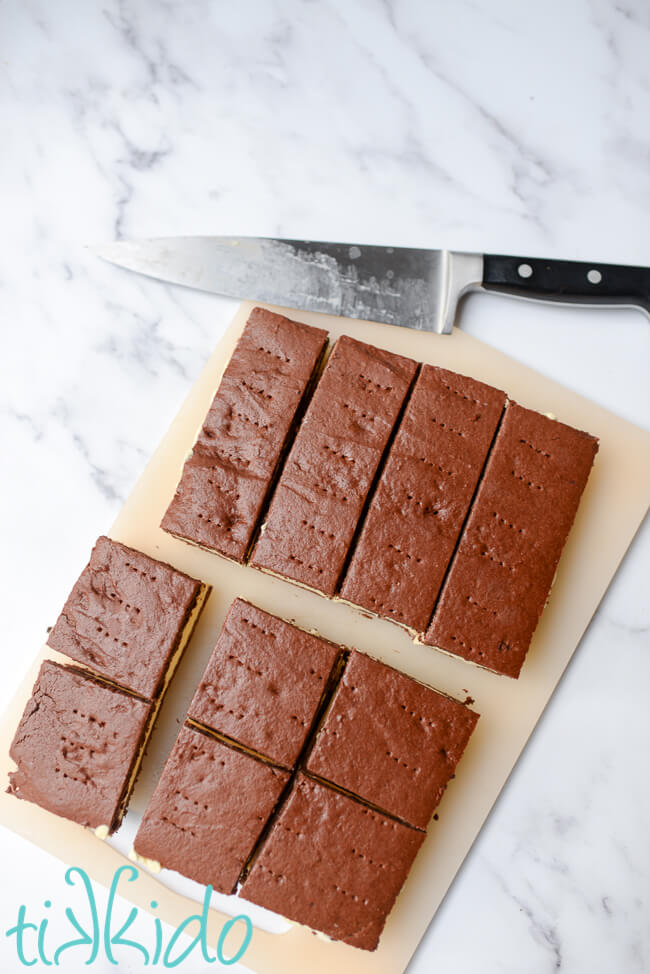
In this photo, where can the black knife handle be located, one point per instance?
(567, 281)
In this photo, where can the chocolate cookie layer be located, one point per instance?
(228, 475)
(422, 497)
(208, 810)
(325, 482)
(264, 683)
(77, 746)
(126, 617)
(508, 554)
(413, 738)
(332, 864)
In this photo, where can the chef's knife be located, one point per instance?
(398, 285)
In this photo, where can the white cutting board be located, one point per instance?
(612, 508)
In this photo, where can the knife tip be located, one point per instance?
(110, 251)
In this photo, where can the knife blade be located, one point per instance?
(407, 286)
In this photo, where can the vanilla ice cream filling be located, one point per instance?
(183, 640)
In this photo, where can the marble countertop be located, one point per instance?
(482, 125)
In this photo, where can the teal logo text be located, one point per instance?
(108, 936)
